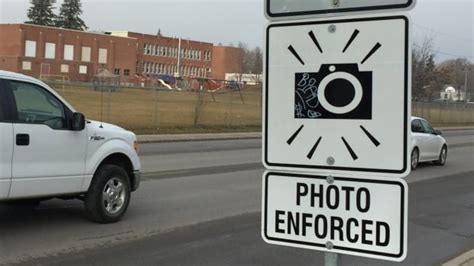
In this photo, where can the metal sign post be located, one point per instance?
(331, 259)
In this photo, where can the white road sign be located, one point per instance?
(337, 96)
(350, 216)
(286, 9)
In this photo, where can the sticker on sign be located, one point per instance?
(338, 95)
(345, 215)
(290, 9)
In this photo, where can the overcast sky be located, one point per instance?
(449, 22)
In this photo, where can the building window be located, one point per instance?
(148, 49)
(64, 68)
(50, 50)
(102, 56)
(26, 65)
(117, 71)
(82, 69)
(68, 52)
(86, 54)
(30, 48)
(126, 72)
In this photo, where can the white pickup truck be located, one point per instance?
(48, 150)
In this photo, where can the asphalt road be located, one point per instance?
(200, 204)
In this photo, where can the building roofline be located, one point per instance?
(63, 29)
(165, 37)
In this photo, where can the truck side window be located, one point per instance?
(35, 105)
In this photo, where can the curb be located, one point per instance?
(466, 259)
(197, 137)
(454, 128)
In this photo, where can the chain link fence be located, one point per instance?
(445, 113)
(161, 110)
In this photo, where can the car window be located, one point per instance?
(2, 99)
(427, 127)
(416, 126)
(35, 105)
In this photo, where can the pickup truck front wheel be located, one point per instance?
(109, 195)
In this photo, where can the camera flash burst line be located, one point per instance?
(311, 153)
(293, 51)
(376, 47)
(313, 37)
(354, 35)
(349, 148)
(293, 137)
(371, 137)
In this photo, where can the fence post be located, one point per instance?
(440, 119)
(231, 107)
(155, 117)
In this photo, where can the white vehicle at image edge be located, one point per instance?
(48, 150)
(428, 145)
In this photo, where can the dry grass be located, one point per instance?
(134, 109)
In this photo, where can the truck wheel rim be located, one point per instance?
(113, 196)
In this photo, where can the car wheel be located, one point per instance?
(109, 195)
(415, 157)
(443, 155)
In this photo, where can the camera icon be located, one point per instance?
(337, 91)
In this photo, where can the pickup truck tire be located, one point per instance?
(109, 195)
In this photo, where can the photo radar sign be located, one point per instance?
(337, 96)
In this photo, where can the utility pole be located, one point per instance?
(466, 70)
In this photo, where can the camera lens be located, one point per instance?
(339, 92)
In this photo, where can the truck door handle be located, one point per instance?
(22, 139)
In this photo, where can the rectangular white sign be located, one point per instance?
(350, 216)
(286, 9)
(338, 96)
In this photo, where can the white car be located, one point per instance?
(428, 145)
(48, 150)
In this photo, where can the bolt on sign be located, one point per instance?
(291, 9)
(338, 95)
(344, 215)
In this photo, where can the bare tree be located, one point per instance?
(423, 68)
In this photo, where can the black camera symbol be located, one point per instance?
(337, 91)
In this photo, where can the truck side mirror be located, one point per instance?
(78, 122)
